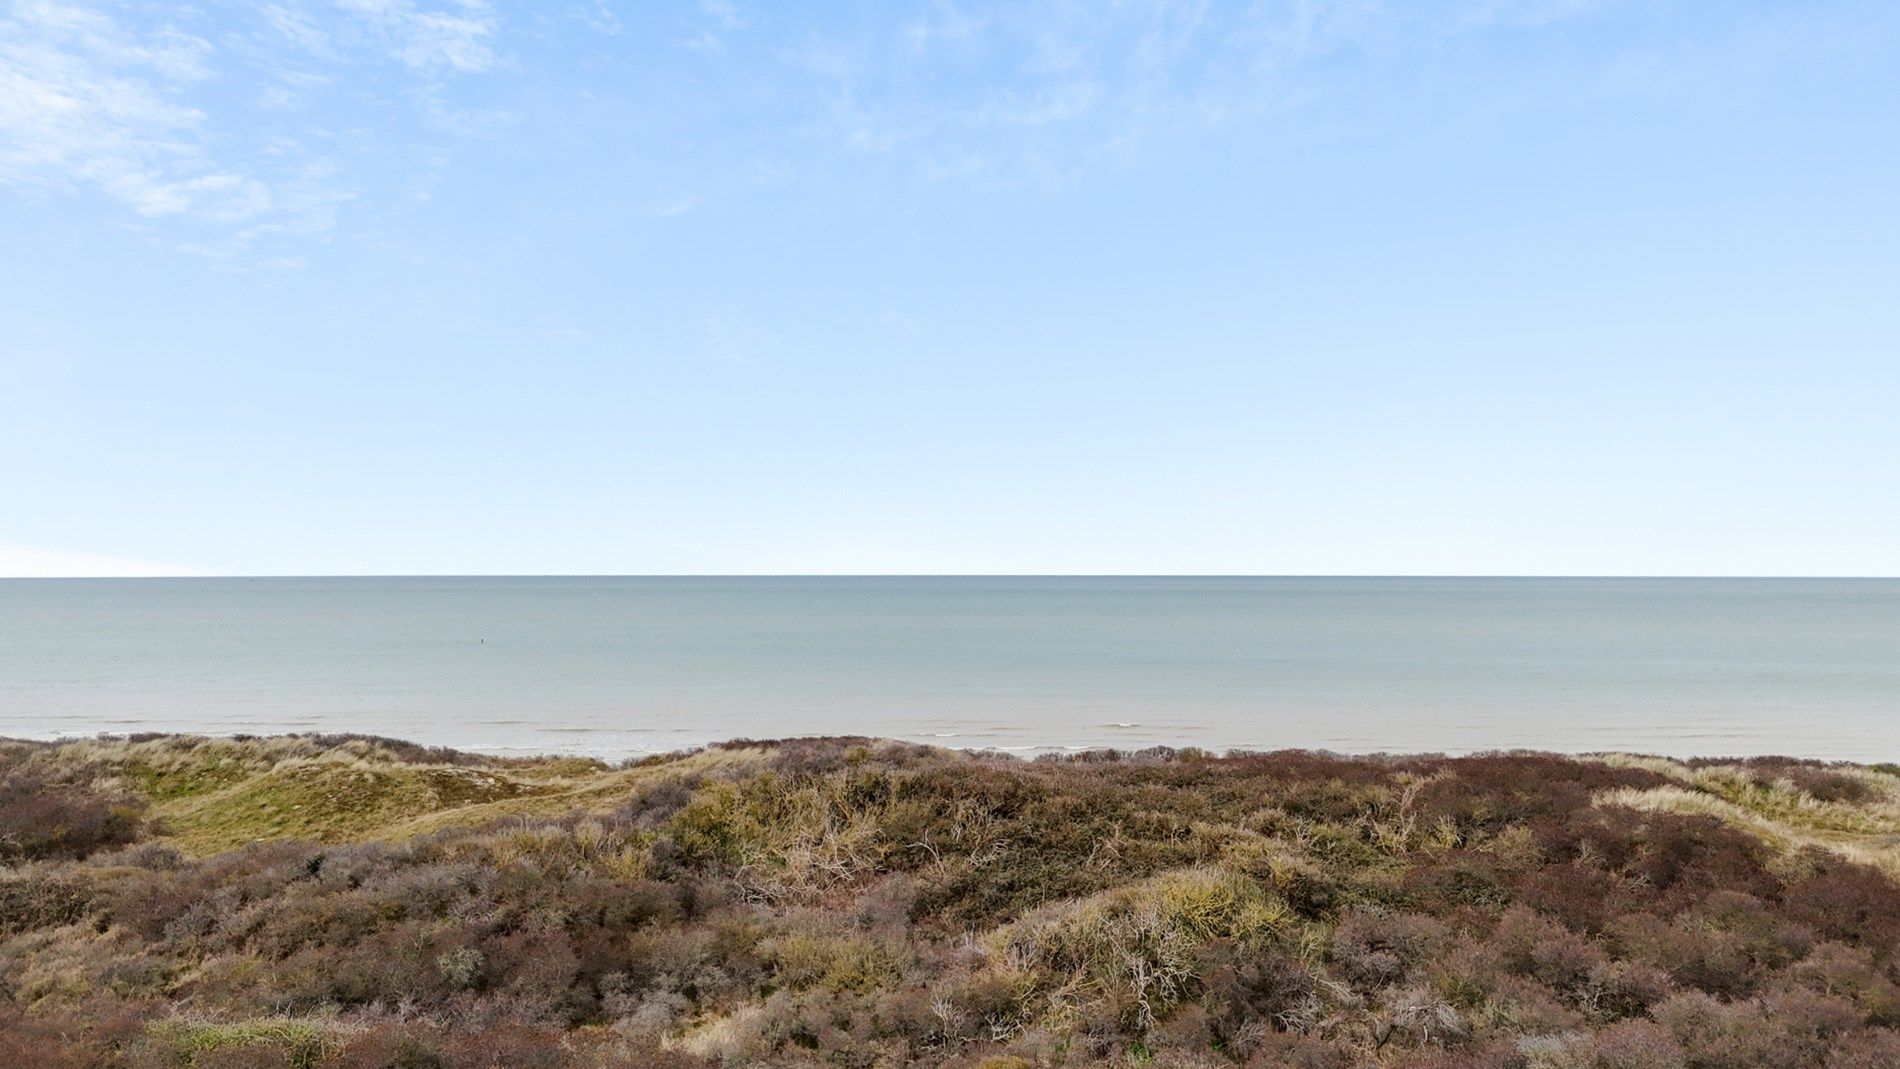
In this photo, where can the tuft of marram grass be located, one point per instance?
(300, 1044)
(1773, 807)
(1134, 948)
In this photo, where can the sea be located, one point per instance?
(618, 666)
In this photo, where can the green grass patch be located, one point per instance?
(301, 1043)
(328, 801)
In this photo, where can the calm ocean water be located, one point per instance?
(615, 666)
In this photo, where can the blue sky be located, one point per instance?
(585, 286)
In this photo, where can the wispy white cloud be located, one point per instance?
(1041, 91)
(735, 338)
(600, 15)
(456, 38)
(1049, 91)
(679, 206)
(84, 100)
(727, 14)
(213, 123)
(1524, 12)
(228, 125)
(716, 21)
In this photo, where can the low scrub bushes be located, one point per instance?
(42, 817)
(164, 902)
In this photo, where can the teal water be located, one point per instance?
(616, 666)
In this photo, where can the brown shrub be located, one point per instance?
(1374, 947)
(1788, 1031)
(80, 1037)
(1874, 1049)
(1536, 946)
(41, 898)
(1636, 1045)
(1849, 972)
(43, 818)
(1842, 900)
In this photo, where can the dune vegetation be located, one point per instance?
(319, 902)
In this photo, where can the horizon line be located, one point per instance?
(933, 575)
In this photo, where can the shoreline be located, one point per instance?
(615, 667)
